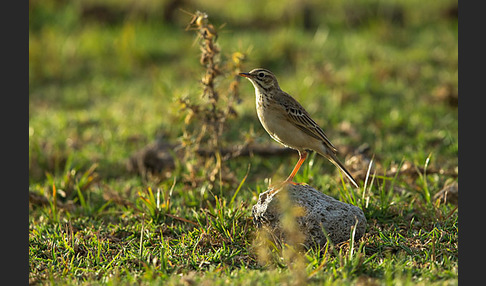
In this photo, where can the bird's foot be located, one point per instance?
(277, 187)
(285, 183)
(297, 184)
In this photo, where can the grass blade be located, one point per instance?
(239, 186)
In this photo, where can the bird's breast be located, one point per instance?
(277, 126)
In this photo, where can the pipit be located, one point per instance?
(289, 123)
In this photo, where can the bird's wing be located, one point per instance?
(298, 116)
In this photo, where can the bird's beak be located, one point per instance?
(245, 74)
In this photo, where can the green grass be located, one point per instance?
(368, 71)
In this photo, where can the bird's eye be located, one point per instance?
(261, 75)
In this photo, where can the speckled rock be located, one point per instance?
(317, 211)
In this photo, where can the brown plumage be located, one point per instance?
(288, 123)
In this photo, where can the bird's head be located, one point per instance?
(262, 79)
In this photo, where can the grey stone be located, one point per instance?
(317, 211)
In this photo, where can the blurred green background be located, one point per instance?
(105, 78)
(104, 75)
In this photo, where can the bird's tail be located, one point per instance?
(331, 157)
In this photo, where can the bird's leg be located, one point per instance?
(302, 156)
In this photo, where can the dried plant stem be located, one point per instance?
(205, 122)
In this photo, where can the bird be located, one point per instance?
(288, 123)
